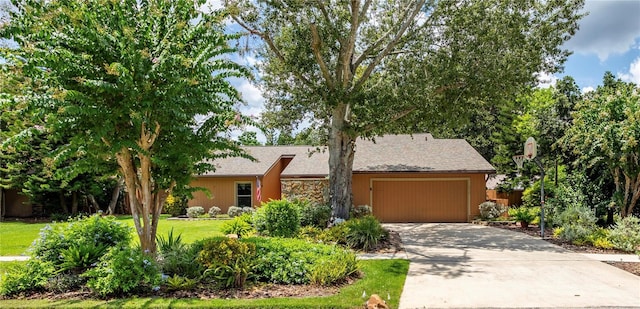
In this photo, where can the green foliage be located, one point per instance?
(310, 233)
(361, 211)
(524, 214)
(228, 260)
(81, 256)
(336, 234)
(195, 211)
(123, 271)
(292, 261)
(599, 238)
(214, 211)
(625, 235)
(577, 223)
(65, 282)
(238, 226)
(605, 134)
(334, 269)
(30, 276)
(178, 283)
(83, 233)
(364, 233)
(313, 215)
(234, 211)
(278, 218)
(491, 210)
(170, 243)
(181, 260)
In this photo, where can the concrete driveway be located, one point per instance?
(466, 265)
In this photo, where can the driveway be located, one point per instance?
(465, 265)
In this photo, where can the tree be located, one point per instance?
(366, 68)
(606, 130)
(126, 80)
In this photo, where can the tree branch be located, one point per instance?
(316, 46)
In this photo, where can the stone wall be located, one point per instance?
(313, 190)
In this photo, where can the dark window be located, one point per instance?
(243, 194)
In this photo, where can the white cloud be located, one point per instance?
(588, 89)
(634, 73)
(546, 80)
(610, 28)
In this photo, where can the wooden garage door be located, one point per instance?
(420, 200)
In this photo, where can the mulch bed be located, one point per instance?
(534, 231)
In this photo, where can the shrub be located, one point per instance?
(333, 269)
(625, 235)
(523, 214)
(171, 243)
(65, 282)
(214, 211)
(195, 211)
(228, 260)
(234, 211)
(314, 215)
(278, 218)
(177, 283)
(364, 233)
(174, 206)
(33, 275)
(361, 211)
(238, 226)
(336, 234)
(310, 233)
(292, 261)
(181, 260)
(79, 257)
(491, 210)
(84, 231)
(599, 238)
(123, 270)
(577, 222)
(248, 210)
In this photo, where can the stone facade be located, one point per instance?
(313, 190)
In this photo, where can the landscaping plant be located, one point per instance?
(361, 211)
(238, 226)
(195, 211)
(523, 214)
(277, 218)
(625, 234)
(490, 210)
(214, 211)
(229, 261)
(314, 215)
(364, 233)
(234, 211)
(577, 222)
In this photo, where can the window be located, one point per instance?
(243, 194)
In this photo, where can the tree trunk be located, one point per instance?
(93, 203)
(114, 196)
(341, 154)
(63, 203)
(74, 202)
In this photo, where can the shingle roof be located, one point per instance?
(391, 153)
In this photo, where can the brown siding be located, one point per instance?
(271, 181)
(16, 204)
(222, 190)
(450, 190)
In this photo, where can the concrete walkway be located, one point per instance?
(465, 265)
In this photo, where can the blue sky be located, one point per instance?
(608, 40)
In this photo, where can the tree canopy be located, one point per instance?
(125, 80)
(365, 68)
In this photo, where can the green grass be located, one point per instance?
(383, 277)
(16, 237)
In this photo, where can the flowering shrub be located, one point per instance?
(123, 271)
(491, 210)
(277, 218)
(214, 211)
(234, 211)
(195, 211)
(93, 231)
(174, 206)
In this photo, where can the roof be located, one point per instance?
(390, 153)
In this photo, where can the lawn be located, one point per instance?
(16, 237)
(384, 277)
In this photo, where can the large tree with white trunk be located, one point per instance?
(141, 83)
(361, 68)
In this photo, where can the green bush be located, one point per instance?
(277, 218)
(170, 243)
(195, 211)
(84, 231)
(600, 238)
(360, 211)
(228, 260)
(524, 214)
(248, 210)
(490, 210)
(31, 276)
(310, 233)
(292, 261)
(364, 233)
(336, 234)
(577, 223)
(80, 257)
(123, 270)
(182, 260)
(234, 211)
(177, 283)
(175, 206)
(65, 282)
(314, 215)
(333, 269)
(214, 211)
(625, 235)
(238, 226)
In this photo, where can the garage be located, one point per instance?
(421, 199)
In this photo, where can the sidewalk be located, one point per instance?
(13, 258)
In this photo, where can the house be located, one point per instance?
(404, 178)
